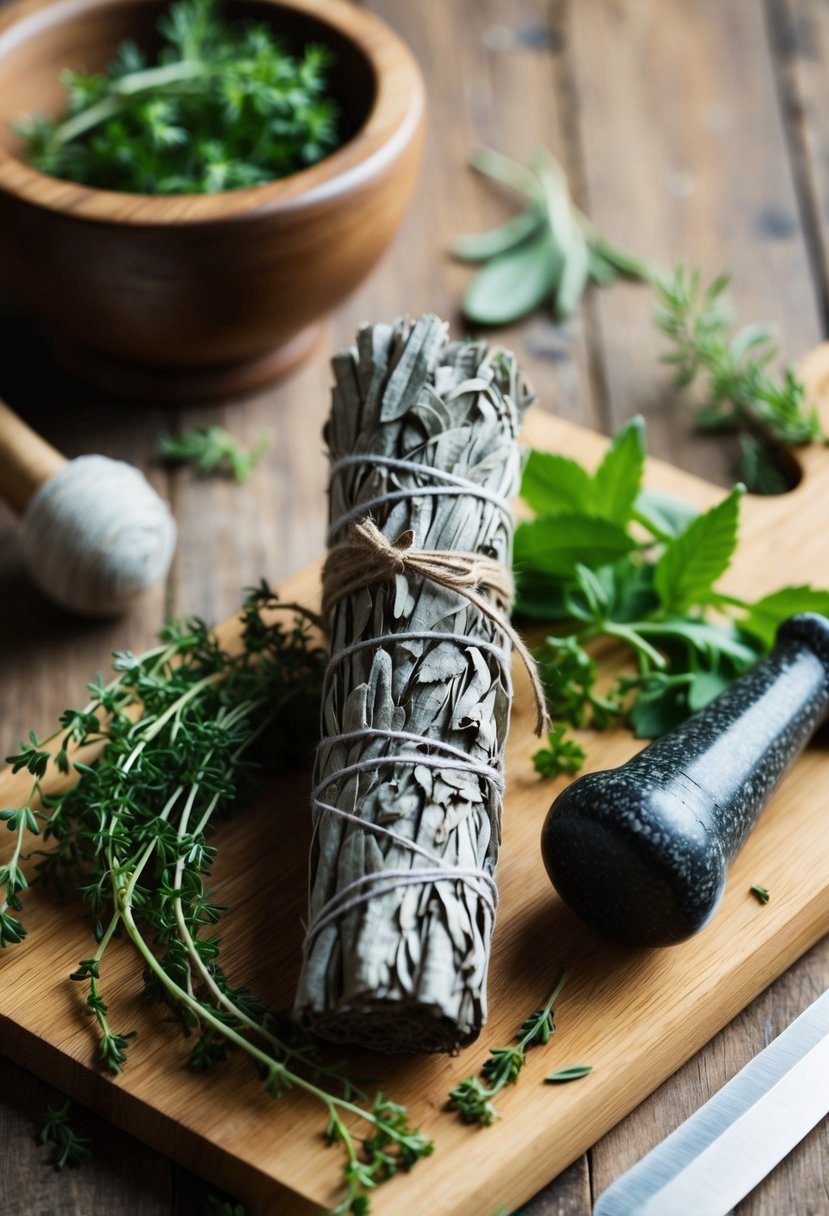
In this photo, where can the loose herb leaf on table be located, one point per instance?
(550, 252)
(472, 1097)
(606, 559)
(224, 107)
(182, 732)
(212, 450)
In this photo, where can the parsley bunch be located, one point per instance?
(224, 106)
(181, 734)
(606, 559)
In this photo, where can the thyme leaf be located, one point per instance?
(67, 1147)
(186, 729)
(472, 1097)
(224, 107)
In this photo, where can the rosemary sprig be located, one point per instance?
(606, 559)
(212, 450)
(742, 395)
(472, 1097)
(185, 728)
(224, 107)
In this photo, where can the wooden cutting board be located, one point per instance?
(635, 1015)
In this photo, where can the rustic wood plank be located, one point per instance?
(685, 159)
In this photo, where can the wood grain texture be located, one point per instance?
(635, 1015)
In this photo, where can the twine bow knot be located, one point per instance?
(368, 557)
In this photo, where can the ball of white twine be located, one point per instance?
(96, 535)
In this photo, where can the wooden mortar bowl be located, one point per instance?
(189, 296)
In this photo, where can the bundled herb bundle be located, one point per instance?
(416, 700)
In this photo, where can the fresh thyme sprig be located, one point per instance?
(224, 107)
(472, 1097)
(212, 450)
(606, 559)
(742, 394)
(67, 1147)
(185, 728)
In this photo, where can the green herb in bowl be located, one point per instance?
(223, 107)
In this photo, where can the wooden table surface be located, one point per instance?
(692, 130)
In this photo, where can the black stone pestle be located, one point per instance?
(641, 852)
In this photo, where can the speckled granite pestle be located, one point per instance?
(641, 852)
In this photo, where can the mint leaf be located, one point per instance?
(618, 479)
(557, 545)
(553, 484)
(768, 613)
(705, 686)
(691, 564)
(664, 514)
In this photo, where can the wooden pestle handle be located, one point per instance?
(26, 460)
(641, 852)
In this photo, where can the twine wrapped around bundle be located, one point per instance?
(409, 775)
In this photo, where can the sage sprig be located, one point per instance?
(549, 252)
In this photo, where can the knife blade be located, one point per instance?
(719, 1154)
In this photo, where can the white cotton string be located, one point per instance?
(455, 758)
(406, 466)
(372, 762)
(344, 901)
(365, 508)
(96, 535)
(407, 736)
(422, 635)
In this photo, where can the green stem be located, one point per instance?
(545, 1013)
(183, 72)
(629, 634)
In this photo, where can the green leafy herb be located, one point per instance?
(212, 449)
(185, 729)
(742, 395)
(472, 1097)
(224, 107)
(549, 252)
(762, 894)
(605, 559)
(67, 1148)
(573, 1073)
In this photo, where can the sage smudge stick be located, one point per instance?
(416, 701)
